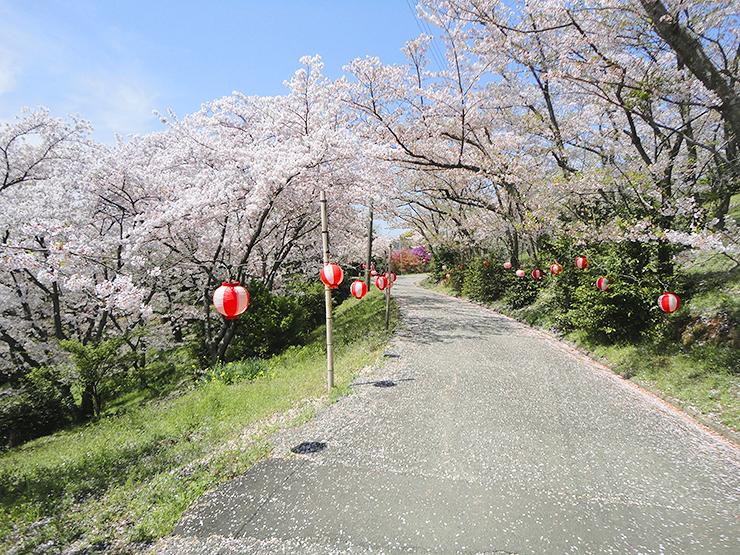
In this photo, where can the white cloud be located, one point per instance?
(68, 60)
(8, 70)
(115, 102)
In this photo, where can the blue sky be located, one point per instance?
(115, 61)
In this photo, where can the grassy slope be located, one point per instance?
(124, 481)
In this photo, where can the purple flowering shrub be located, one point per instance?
(410, 261)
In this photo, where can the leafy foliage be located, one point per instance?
(273, 322)
(626, 311)
(231, 373)
(484, 280)
(42, 404)
(96, 365)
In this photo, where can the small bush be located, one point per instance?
(621, 313)
(40, 405)
(484, 281)
(234, 372)
(521, 291)
(273, 323)
(444, 260)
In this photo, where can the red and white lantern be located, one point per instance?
(602, 284)
(332, 275)
(381, 282)
(536, 274)
(669, 302)
(231, 299)
(507, 265)
(447, 276)
(392, 278)
(581, 263)
(556, 268)
(358, 289)
(520, 273)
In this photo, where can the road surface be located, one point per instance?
(479, 435)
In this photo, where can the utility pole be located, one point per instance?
(327, 295)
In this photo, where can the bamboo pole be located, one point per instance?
(327, 295)
(388, 294)
(369, 257)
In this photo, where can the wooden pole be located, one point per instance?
(369, 257)
(327, 296)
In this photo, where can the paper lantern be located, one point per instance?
(507, 265)
(459, 266)
(485, 263)
(391, 278)
(536, 274)
(358, 289)
(381, 282)
(602, 284)
(520, 273)
(669, 302)
(556, 268)
(581, 263)
(447, 276)
(231, 299)
(332, 275)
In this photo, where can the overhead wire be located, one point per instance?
(425, 29)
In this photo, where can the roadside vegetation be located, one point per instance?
(690, 357)
(121, 481)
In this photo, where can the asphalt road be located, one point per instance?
(479, 435)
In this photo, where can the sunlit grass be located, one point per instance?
(705, 378)
(124, 481)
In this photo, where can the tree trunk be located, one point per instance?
(690, 53)
(87, 404)
(512, 243)
(228, 336)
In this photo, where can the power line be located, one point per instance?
(426, 30)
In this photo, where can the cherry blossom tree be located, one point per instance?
(67, 213)
(580, 117)
(40, 200)
(623, 97)
(237, 195)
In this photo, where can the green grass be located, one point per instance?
(705, 378)
(124, 481)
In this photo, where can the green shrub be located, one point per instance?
(628, 309)
(521, 291)
(234, 372)
(484, 281)
(456, 281)
(622, 313)
(100, 368)
(40, 405)
(273, 323)
(443, 260)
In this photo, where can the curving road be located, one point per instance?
(479, 435)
